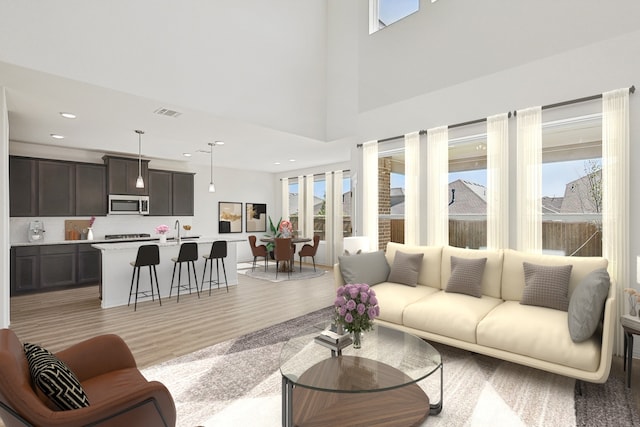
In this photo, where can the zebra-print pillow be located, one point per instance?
(54, 378)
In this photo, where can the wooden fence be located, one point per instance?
(583, 238)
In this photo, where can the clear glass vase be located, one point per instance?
(357, 339)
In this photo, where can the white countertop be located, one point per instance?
(205, 239)
(119, 245)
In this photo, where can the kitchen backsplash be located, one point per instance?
(55, 226)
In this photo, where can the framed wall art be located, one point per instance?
(229, 217)
(255, 217)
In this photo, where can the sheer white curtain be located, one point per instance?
(308, 207)
(615, 200)
(285, 198)
(412, 188)
(338, 215)
(438, 187)
(329, 213)
(498, 181)
(529, 181)
(301, 218)
(370, 193)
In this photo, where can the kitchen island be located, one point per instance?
(117, 270)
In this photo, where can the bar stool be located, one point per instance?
(148, 255)
(189, 254)
(219, 253)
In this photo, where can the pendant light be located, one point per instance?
(139, 181)
(212, 187)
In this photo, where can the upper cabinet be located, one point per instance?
(23, 186)
(182, 197)
(122, 174)
(56, 188)
(91, 189)
(160, 202)
(170, 193)
(41, 187)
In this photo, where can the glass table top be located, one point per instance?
(388, 359)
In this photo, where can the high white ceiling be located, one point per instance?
(250, 73)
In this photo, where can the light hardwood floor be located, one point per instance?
(157, 333)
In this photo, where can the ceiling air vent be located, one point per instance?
(167, 112)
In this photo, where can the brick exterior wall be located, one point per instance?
(384, 201)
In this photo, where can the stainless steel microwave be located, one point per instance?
(128, 205)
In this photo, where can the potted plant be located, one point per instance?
(274, 231)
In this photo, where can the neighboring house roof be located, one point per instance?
(470, 198)
(293, 204)
(551, 204)
(578, 194)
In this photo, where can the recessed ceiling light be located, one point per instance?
(68, 115)
(218, 143)
(56, 136)
(186, 154)
(292, 160)
(276, 163)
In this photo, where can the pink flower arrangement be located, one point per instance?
(356, 307)
(162, 229)
(285, 227)
(91, 221)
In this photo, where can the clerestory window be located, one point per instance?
(383, 13)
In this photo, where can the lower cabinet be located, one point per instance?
(50, 267)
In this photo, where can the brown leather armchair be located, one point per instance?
(118, 393)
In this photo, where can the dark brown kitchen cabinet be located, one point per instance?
(122, 174)
(182, 197)
(25, 269)
(170, 193)
(49, 267)
(58, 265)
(89, 265)
(56, 188)
(160, 200)
(91, 189)
(23, 186)
(40, 187)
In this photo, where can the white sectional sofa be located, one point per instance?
(496, 323)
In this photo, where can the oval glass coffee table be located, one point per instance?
(375, 385)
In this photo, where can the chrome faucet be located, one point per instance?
(177, 225)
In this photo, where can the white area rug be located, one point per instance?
(238, 383)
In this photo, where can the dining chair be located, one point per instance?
(258, 251)
(310, 251)
(284, 251)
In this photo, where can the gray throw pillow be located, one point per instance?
(587, 304)
(466, 276)
(370, 268)
(406, 268)
(546, 286)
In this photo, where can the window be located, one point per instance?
(383, 13)
(294, 193)
(347, 207)
(468, 191)
(571, 186)
(319, 206)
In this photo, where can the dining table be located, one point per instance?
(284, 267)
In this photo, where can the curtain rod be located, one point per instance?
(318, 174)
(632, 90)
(424, 132)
